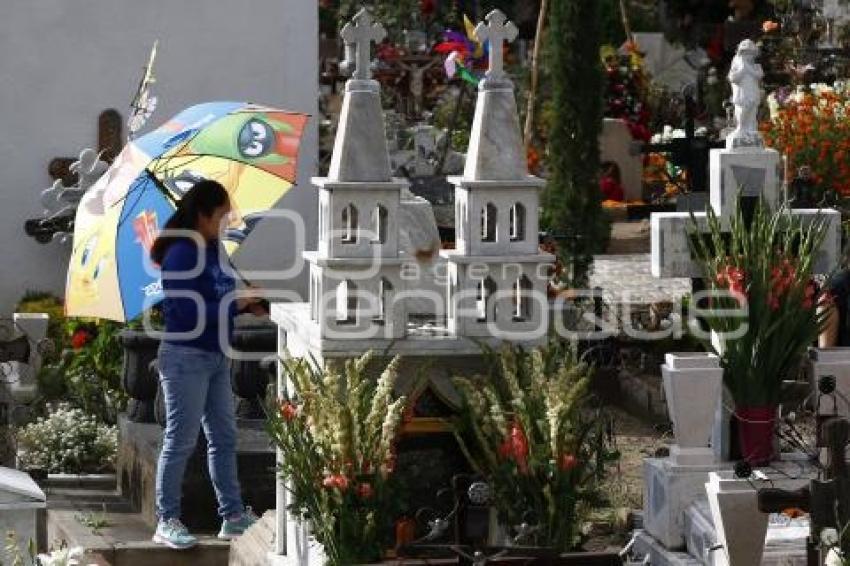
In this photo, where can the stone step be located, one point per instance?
(125, 540)
(252, 548)
(80, 481)
(82, 499)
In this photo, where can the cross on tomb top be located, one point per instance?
(497, 30)
(361, 32)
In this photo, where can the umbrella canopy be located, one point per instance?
(251, 150)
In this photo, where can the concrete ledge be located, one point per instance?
(126, 541)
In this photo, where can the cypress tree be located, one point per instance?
(572, 209)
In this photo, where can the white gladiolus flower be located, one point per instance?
(62, 557)
(834, 558)
(829, 537)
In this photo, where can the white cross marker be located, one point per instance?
(361, 32)
(497, 30)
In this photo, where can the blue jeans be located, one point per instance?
(196, 387)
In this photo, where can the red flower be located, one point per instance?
(568, 462)
(519, 447)
(288, 410)
(809, 295)
(505, 449)
(365, 491)
(427, 7)
(336, 481)
(611, 189)
(773, 302)
(80, 338)
(735, 279)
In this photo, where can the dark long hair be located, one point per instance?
(203, 198)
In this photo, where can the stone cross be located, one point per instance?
(361, 32)
(497, 30)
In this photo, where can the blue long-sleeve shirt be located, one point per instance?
(182, 313)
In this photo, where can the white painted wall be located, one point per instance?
(63, 62)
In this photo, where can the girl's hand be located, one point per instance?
(250, 296)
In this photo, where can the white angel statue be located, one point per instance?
(745, 76)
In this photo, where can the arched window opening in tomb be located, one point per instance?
(385, 289)
(346, 303)
(522, 299)
(349, 224)
(381, 220)
(485, 305)
(488, 223)
(517, 222)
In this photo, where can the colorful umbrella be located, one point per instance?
(251, 150)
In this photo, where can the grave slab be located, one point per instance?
(668, 490)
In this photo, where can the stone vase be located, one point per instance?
(693, 383)
(250, 377)
(33, 324)
(740, 526)
(138, 375)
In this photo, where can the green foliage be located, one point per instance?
(537, 440)
(14, 553)
(396, 16)
(337, 432)
(92, 368)
(84, 365)
(95, 522)
(68, 441)
(572, 200)
(765, 267)
(455, 113)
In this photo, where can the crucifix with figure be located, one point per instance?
(497, 31)
(360, 34)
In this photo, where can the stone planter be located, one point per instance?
(693, 383)
(138, 376)
(740, 526)
(250, 378)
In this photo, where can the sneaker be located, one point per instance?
(235, 525)
(173, 534)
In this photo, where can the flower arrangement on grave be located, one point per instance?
(626, 89)
(91, 366)
(764, 266)
(811, 127)
(337, 431)
(538, 443)
(67, 440)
